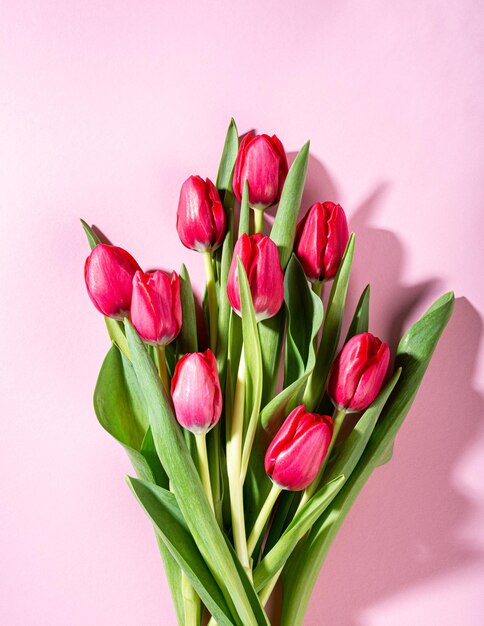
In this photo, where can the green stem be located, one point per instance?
(162, 371)
(317, 287)
(203, 468)
(263, 517)
(234, 456)
(338, 419)
(265, 593)
(259, 220)
(191, 602)
(212, 299)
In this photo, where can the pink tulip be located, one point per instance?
(156, 307)
(262, 161)
(260, 258)
(296, 453)
(195, 389)
(358, 372)
(321, 239)
(108, 273)
(201, 221)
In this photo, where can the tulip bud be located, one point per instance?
(296, 453)
(156, 306)
(357, 373)
(201, 221)
(108, 273)
(321, 239)
(195, 389)
(262, 161)
(260, 258)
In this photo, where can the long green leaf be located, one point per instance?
(299, 526)
(284, 227)
(224, 307)
(118, 402)
(282, 233)
(331, 329)
(161, 507)
(271, 333)
(244, 221)
(187, 339)
(304, 318)
(413, 356)
(227, 161)
(120, 410)
(187, 486)
(253, 361)
(361, 318)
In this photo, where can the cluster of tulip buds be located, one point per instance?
(296, 457)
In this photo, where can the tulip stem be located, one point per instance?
(338, 419)
(212, 299)
(317, 287)
(263, 517)
(265, 593)
(234, 458)
(259, 220)
(191, 602)
(203, 467)
(162, 371)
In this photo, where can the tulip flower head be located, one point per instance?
(260, 258)
(321, 239)
(108, 273)
(358, 372)
(195, 390)
(156, 306)
(201, 222)
(262, 162)
(296, 453)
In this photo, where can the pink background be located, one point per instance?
(106, 107)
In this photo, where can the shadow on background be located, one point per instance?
(403, 528)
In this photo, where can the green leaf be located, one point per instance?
(118, 402)
(244, 221)
(360, 322)
(227, 162)
(162, 508)
(305, 316)
(187, 486)
(271, 333)
(413, 356)
(187, 339)
(92, 238)
(253, 362)
(224, 308)
(299, 526)
(117, 336)
(331, 329)
(120, 410)
(284, 227)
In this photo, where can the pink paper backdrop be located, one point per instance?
(106, 107)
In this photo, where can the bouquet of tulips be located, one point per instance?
(233, 422)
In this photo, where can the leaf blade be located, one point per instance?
(284, 227)
(187, 486)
